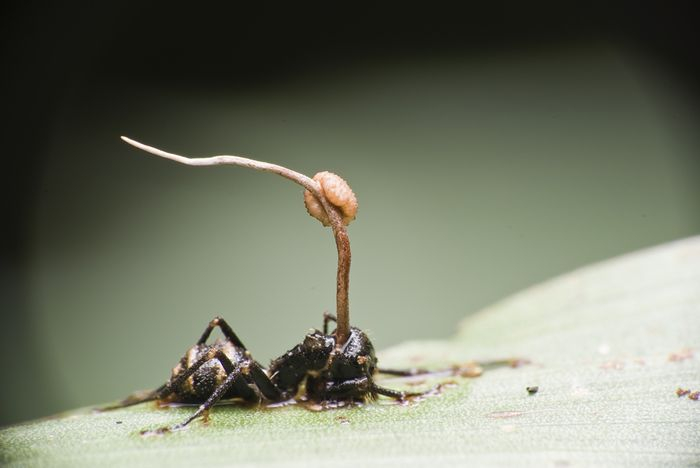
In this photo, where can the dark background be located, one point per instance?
(58, 57)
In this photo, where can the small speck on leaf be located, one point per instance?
(469, 370)
(505, 414)
(515, 363)
(682, 355)
(613, 365)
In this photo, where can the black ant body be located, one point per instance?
(315, 370)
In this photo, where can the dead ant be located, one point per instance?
(225, 369)
(335, 368)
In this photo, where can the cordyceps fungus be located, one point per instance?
(328, 370)
(327, 197)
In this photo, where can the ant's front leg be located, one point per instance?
(359, 388)
(467, 369)
(405, 372)
(396, 394)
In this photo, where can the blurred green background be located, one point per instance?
(477, 175)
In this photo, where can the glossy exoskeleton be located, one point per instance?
(315, 370)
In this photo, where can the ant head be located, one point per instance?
(317, 348)
(356, 358)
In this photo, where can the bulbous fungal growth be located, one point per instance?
(337, 192)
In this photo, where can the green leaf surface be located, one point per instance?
(608, 344)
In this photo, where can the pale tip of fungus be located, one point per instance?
(337, 192)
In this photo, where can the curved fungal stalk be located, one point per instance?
(337, 212)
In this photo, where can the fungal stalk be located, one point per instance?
(327, 197)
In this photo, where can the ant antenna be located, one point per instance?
(333, 213)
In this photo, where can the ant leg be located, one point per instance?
(405, 372)
(463, 369)
(395, 394)
(257, 376)
(213, 399)
(225, 329)
(252, 373)
(348, 387)
(328, 318)
(360, 386)
(134, 399)
(337, 390)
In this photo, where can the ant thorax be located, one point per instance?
(311, 356)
